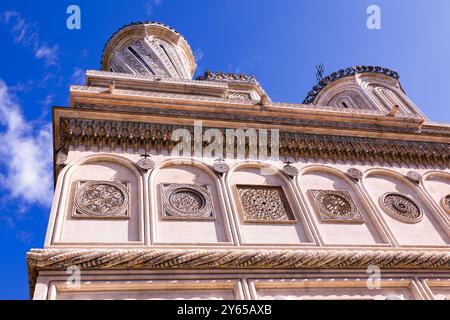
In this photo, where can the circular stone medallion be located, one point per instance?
(221, 167)
(145, 163)
(102, 199)
(337, 205)
(187, 201)
(401, 207)
(414, 176)
(355, 174)
(290, 170)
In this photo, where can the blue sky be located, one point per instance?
(280, 42)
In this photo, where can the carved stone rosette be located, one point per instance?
(264, 204)
(401, 207)
(187, 202)
(446, 203)
(101, 199)
(290, 170)
(414, 177)
(355, 174)
(336, 206)
(145, 163)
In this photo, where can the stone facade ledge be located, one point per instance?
(197, 259)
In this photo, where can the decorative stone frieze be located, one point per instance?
(148, 136)
(101, 199)
(401, 207)
(187, 202)
(220, 259)
(218, 76)
(336, 206)
(261, 204)
(239, 95)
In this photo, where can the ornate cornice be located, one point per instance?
(266, 119)
(347, 72)
(221, 76)
(208, 259)
(148, 136)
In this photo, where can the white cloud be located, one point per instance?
(49, 54)
(151, 5)
(78, 76)
(26, 33)
(25, 154)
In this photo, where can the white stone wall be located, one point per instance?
(145, 225)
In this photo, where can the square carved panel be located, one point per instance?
(187, 202)
(336, 206)
(101, 200)
(264, 204)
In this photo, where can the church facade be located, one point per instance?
(174, 188)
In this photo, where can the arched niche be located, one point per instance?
(265, 207)
(437, 185)
(424, 230)
(187, 204)
(337, 208)
(100, 203)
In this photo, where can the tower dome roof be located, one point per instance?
(150, 48)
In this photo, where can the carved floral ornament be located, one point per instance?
(336, 206)
(187, 202)
(446, 203)
(401, 207)
(101, 199)
(264, 204)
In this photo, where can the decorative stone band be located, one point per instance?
(193, 259)
(137, 135)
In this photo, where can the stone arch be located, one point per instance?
(426, 229)
(197, 185)
(436, 184)
(265, 207)
(66, 220)
(349, 220)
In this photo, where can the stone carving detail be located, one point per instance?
(351, 71)
(289, 169)
(446, 203)
(187, 201)
(401, 207)
(136, 135)
(414, 177)
(220, 166)
(336, 206)
(198, 259)
(355, 174)
(145, 163)
(101, 199)
(239, 95)
(61, 158)
(264, 204)
(214, 76)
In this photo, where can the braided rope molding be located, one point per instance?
(196, 259)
